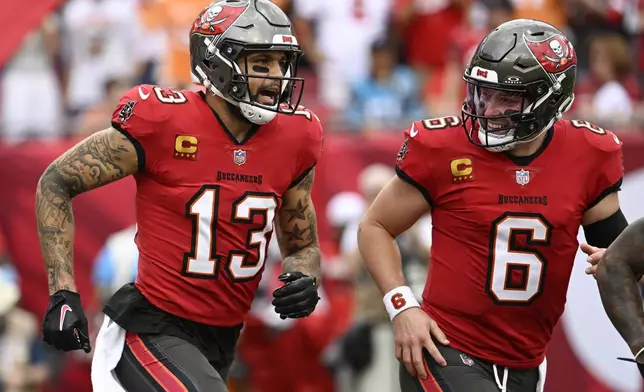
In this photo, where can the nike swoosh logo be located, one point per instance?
(143, 95)
(413, 132)
(63, 311)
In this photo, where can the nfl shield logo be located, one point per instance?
(523, 177)
(467, 360)
(239, 157)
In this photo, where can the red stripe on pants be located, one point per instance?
(153, 365)
(430, 384)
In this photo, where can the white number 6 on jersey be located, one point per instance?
(516, 273)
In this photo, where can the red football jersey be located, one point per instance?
(205, 202)
(504, 234)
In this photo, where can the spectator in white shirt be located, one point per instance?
(31, 91)
(340, 46)
(610, 67)
(610, 61)
(103, 42)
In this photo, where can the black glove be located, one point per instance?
(640, 366)
(65, 324)
(297, 298)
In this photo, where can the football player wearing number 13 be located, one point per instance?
(507, 198)
(215, 172)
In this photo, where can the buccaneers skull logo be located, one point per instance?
(555, 54)
(215, 19)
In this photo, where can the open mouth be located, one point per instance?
(268, 96)
(496, 128)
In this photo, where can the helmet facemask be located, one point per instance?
(281, 94)
(221, 74)
(503, 116)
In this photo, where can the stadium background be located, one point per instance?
(370, 67)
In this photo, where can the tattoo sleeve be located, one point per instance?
(617, 274)
(297, 229)
(103, 157)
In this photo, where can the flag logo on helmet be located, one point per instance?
(555, 54)
(216, 18)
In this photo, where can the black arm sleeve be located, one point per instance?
(602, 233)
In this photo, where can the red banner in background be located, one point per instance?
(17, 19)
(107, 210)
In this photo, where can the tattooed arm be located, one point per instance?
(297, 229)
(102, 158)
(617, 276)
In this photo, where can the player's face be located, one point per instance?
(260, 65)
(497, 106)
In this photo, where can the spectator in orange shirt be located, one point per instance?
(549, 11)
(173, 18)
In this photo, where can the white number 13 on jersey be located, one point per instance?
(203, 208)
(516, 273)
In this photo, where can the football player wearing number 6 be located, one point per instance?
(507, 199)
(217, 173)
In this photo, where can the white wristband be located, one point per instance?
(399, 299)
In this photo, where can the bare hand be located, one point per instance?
(413, 330)
(594, 255)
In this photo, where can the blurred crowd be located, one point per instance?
(370, 66)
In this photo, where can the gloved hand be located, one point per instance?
(65, 324)
(298, 297)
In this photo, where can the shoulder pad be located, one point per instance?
(132, 108)
(144, 101)
(434, 132)
(135, 103)
(596, 136)
(315, 129)
(165, 95)
(302, 114)
(306, 122)
(309, 134)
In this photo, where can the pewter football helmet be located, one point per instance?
(226, 28)
(519, 82)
